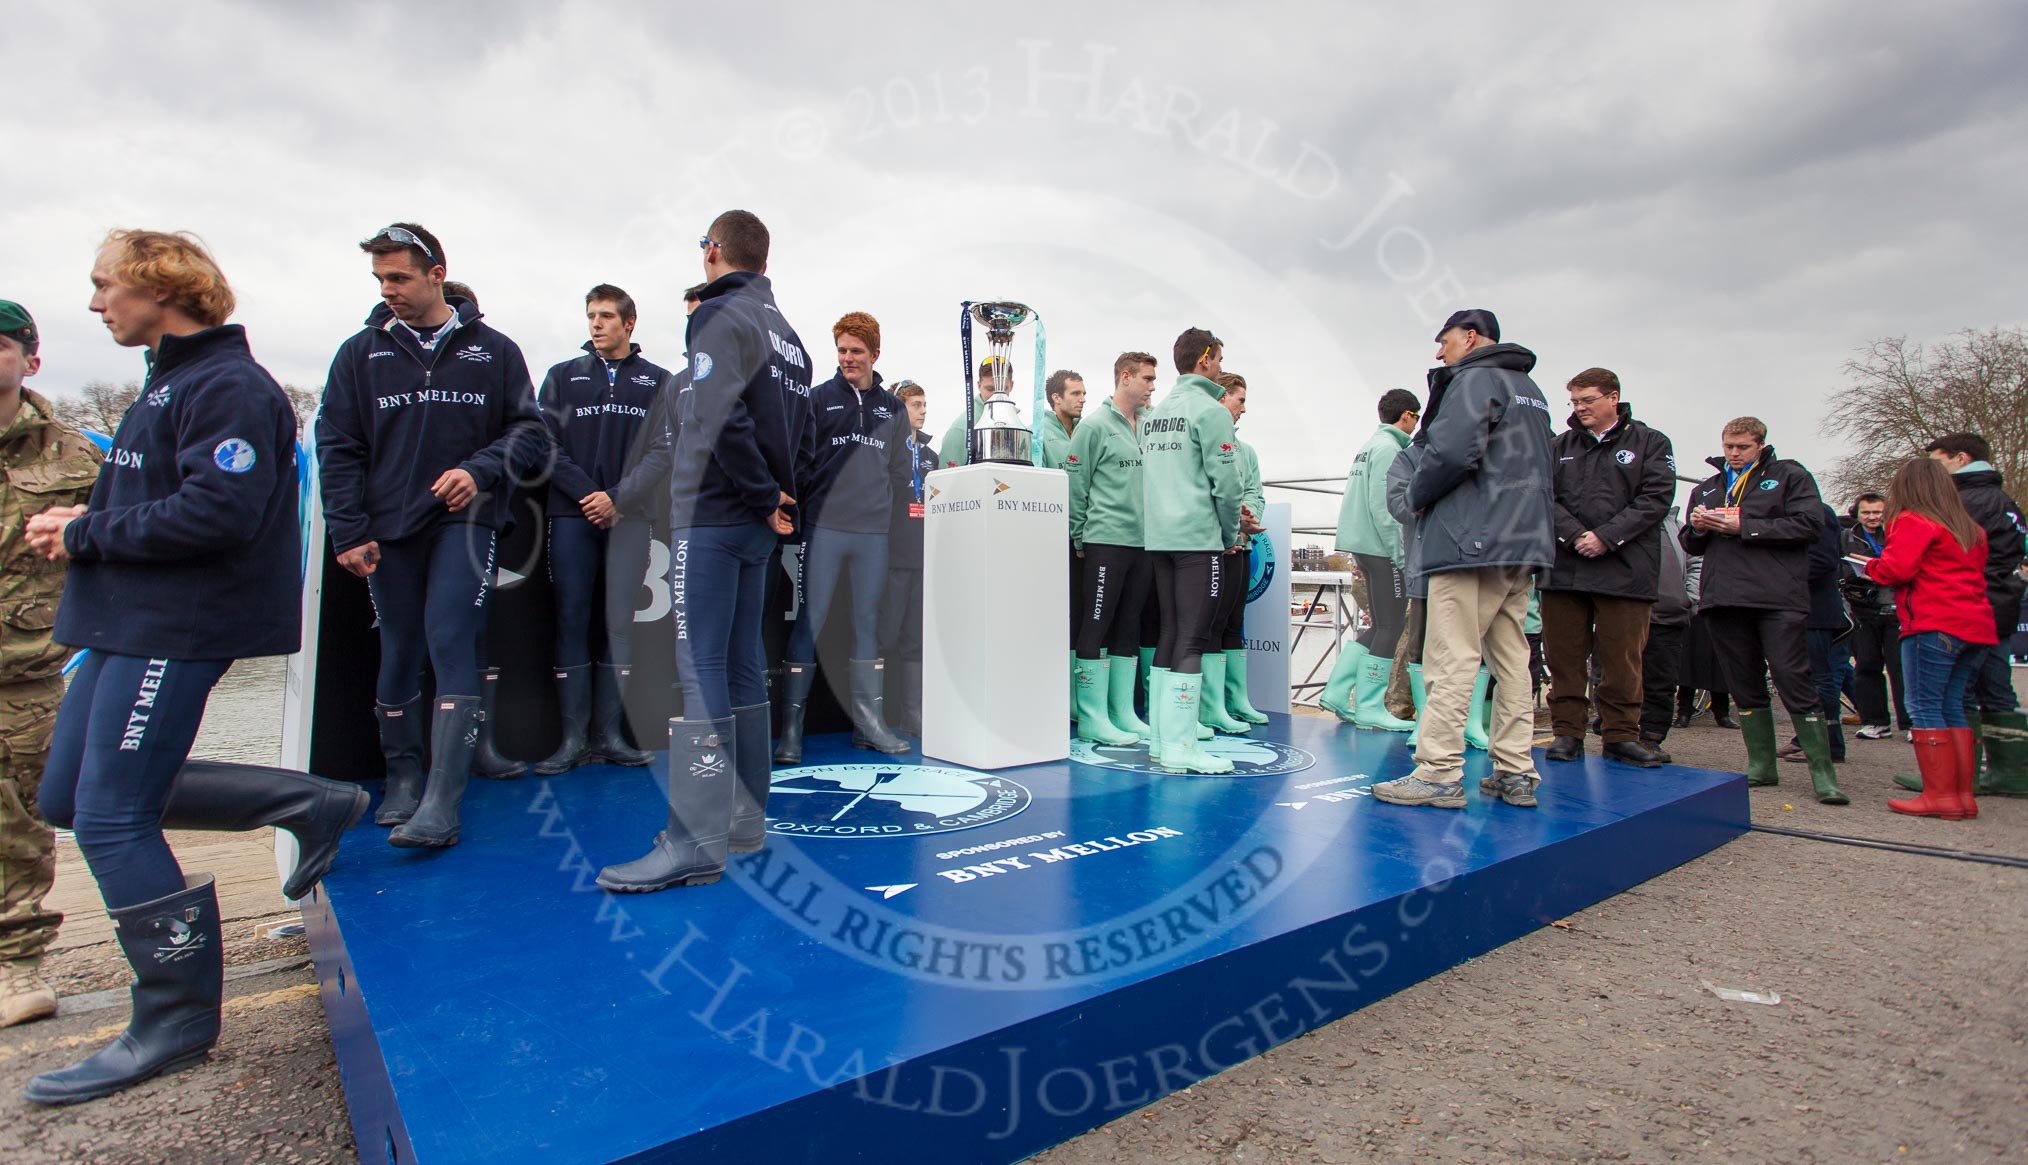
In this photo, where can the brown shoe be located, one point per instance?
(23, 994)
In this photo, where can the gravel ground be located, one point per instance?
(1901, 1035)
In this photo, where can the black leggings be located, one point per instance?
(593, 569)
(430, 593)
(1186, 584)
(1113, 589)
(1388, 592)
(1228, 621)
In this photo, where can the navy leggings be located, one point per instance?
(593, 569)
(717, 589)
(1228, 622)
(430, 592)
(1112, 589)
(1187, 586)
(827, 555)
(124, 730)
(901, 616)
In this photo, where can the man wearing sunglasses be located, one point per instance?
(428, 422)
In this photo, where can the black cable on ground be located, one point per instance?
(1927, 851)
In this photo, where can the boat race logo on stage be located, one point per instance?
(1249, 757)
(862, 801)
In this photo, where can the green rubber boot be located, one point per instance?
(1345, 671)
(2006, 770)
(1815, 737)
(1421, 694)
(1176, 701)
(1092, 689)
(1757, 725)
(1121, 672)
(1236, 702)
(1156, 676)
(1478, 718)
(1211, 698)
(1147, 676)
(1369, 697)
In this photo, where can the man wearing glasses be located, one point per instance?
(1371, 535)
(428, 421)
(1615, 482)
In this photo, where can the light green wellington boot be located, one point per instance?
(1176, 698)
(1092, 689)
(1147, 675)
(1236, 702)
(1211, 698)
(1337, 697)
(1757, 725)
(1076, 712)
(2006, 770)
(1369, 696)
(1478, 733)
(1421, 695)
(1121, 672)
(1156, 676)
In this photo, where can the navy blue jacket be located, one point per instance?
(396, 418)
(736, 445)
(192, 548)
(1827, 603)
(643, 488)
(597, 413)
(904, 531)
(862, 457)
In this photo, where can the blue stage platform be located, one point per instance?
(928, 962)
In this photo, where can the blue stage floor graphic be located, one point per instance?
(928, 962)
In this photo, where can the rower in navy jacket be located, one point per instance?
(429, 420)
(733, 461)
(187, 557)
(597, 408)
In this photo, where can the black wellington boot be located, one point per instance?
(573, 702)
(796, 681)
(690, 851)
(750, 800)
(173, 946)
(453, 736)
(403, 743)
(212, 794)
(908, 717)
(609, 710)
(487, 760)
(869, 723)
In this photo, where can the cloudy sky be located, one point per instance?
(1718, 201)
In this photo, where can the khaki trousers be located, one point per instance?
(1475, 615)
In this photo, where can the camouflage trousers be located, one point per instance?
(27, 843)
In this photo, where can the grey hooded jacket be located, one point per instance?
(1482, 490)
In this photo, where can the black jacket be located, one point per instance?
(596, 413)
(1673, 602)
(862, 459)
(192, 548)
(1827, 603)
(737, 420)
(904, 531)
(396, 417)
(2000, 518)
(1865, 597)
(1481, 488)
(1620, 488)
(1767, 564)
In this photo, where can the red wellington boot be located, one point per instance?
(1964, 749)
(1937, 759)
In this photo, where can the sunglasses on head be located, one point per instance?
(408, 238)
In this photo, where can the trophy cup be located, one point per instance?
(996, 430)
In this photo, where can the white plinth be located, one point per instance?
(996, 616)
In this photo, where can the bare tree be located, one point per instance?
(98, 405)
(305, 403)
(1899, 396)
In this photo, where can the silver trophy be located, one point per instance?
(998, 432)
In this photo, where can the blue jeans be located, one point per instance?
(124, 730)
(1824, 656)
(717, 586)
(1938, 669)
(827, 554)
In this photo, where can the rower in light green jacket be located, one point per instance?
(955, 449)
(1190, 491)
(1357, 688)
(1115, 580)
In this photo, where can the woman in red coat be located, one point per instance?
(1935, 559)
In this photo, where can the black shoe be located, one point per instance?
(221, 795)
(1565, 748)
(487, 760)
(404, 746)
(454, 733)
(1725, 720)
(573, 702)
(796, 682)
(1633, 752)
(608, 743)
(1683, 719)
(173, 946)
(690, 851)
(750, 753)
(1656, 747)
